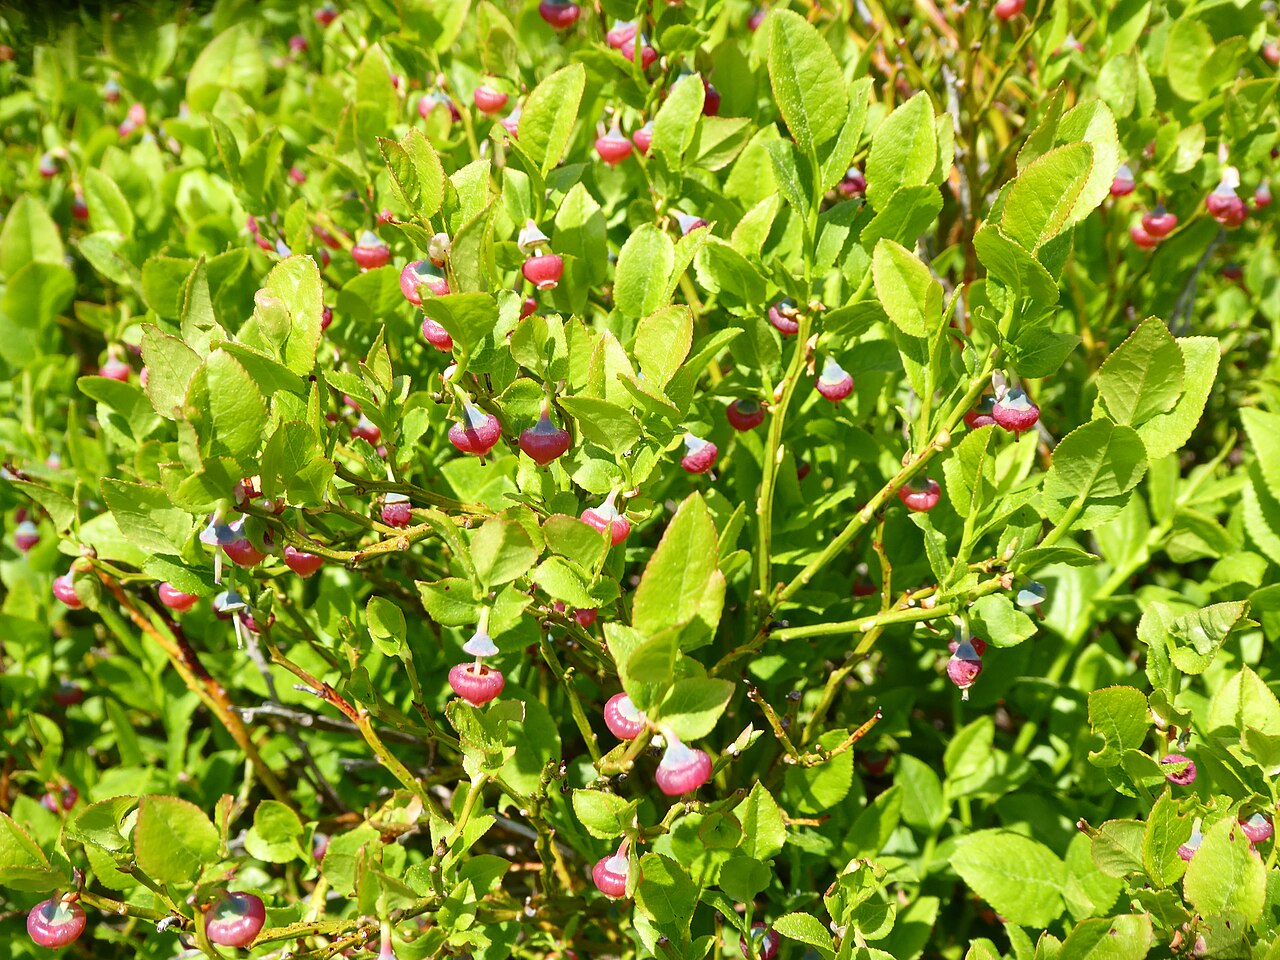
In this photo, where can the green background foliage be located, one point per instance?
(784, 612)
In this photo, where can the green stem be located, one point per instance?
(889, 618)
(634, 749)
(410, 490)
(829, 692)
(913, 466)
(1063, 527)
(363, 721)
(775, 724)
(822, 755)
(155, 888)
(575, 705)
(772, 453)
(118, 909)
(1067, 653)
(1011, 61)
(468, 808)
(402, 540)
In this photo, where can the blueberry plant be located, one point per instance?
(665, 480)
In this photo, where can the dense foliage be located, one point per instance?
(658, 480)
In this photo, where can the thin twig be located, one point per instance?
(187, 662)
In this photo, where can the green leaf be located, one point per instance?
(32, 298)
(570, 537)
(764, 832)
(646, 666)
(1012, 265)
(199, 323)
(449, 602)
(605, 815)
(908, 213)
(376, 97)
(1088, 891)
(61, 508)
(1092, 123)
(806, 929)
(968, 473)
(293, 460)
(875, 825)
(548, 116)
(100, 824)
(346, 851)
(232, 61)
(677, 118)
(1117, 848)
(1167, 829)
(136, 418)
(147, 517)
(17, 849)
(1166, 433)
(1262, 513)
(566, 581)
(836, 163)
(662, 342)
(416, 173)
(604, 423)
(1118, 84)
(923, 805)
(539, 345)
(1042, 199)
(580, 239)
(1187, 48)
(751, 232)
(676, 577)
(1120, 716)
(935, 546)
(470, 256)
(645, 263)
(1100, 459)
(276, 834)
(806, 79)
(694, 706)
(718, 140)
(968, 759)
(260, 164)
(904, 151)
(793, 183)
(744, 878)
(1143, 376)
(909, 294)
(108, 209)
(1197, 636)
(1040, 352)
(502, 550)
(386, 625)
(665, 893)
(1226, 879)
(173, 839)
(1263, 430)
(820, 787)
(1244, 702)
(28, 235)
(1020, 877)
(722, 270)
(170, 366)
(236, 410)
(1126, 937)
(295, 281)
(469, 317)
(108, 252)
